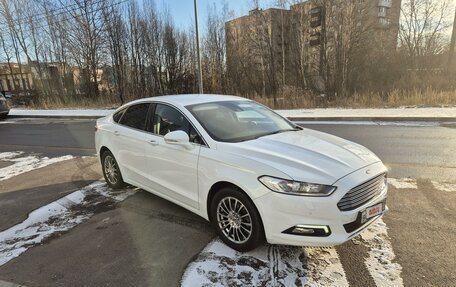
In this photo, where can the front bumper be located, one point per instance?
(281, 212)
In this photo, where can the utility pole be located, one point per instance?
(200, 72)
(451, 52)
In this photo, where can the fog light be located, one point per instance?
(309, 230)
(303, 230)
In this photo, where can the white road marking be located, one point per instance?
(25, 163)
(444, 186)
(402, 183)
(56, 217)
(380, 263)
(268, 265)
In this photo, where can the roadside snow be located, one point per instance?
(61, 113)
(22, 164)
(57, 217)
(296, 113)
(368, 113)
(269, 265)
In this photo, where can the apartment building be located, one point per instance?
(288, 45)
(14, 78)
(259, 47)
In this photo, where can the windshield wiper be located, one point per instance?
(267, 134)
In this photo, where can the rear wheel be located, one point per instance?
(111, 171)
(236, 219)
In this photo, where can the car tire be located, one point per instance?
(111, 171)
(236, 219)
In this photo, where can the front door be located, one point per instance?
(173, 169)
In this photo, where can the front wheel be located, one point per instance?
(236, 220)
(111, 171)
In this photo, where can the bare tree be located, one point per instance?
(116, 38)
(86, 39)
(422, 31)
(214, 66)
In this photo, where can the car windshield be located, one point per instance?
(235, 121)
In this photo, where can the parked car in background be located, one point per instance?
(252, 173)
(9, 95)
(4, 108)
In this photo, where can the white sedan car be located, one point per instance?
(252, 173)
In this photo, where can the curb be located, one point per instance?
(53, 117)
(373, 119)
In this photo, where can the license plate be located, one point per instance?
(372, 211)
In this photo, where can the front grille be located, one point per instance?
(362, 193)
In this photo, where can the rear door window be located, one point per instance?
(117, 116)
(136, 116)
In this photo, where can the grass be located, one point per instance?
(287, 100)
(395, 99)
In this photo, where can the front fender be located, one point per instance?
(216, 166)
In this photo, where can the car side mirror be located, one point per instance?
(178, 138)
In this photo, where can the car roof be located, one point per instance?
(190, 99)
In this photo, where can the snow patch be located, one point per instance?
(403, 183)
(268, 265)
(380, 263)
(10, 155)
(444, 186)
(22, 164)
(57, 217)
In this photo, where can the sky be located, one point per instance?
(183, 16)
(182, 11)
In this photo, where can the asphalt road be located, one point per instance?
(418, 150)
(146, 241)
(52, 137)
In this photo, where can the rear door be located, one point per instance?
(173, 170)
(129, 136)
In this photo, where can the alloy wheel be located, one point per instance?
(111, 170)
(234, 220)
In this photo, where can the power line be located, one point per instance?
(50, 13)
(29, 29)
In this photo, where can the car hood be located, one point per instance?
(306, 155)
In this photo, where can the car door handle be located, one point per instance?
(116, 133)
(153, 142)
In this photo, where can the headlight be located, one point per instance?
(296, 187)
